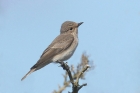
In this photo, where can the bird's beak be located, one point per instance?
(80, 23)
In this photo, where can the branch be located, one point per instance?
(66, 67)
(75, 73)
(62, 88)
(75, 84)
(81, 73)
(66, 83)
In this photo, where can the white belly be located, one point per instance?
(67, 53)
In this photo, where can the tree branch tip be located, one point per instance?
(88, 66)
(85, 84)
(82, 86)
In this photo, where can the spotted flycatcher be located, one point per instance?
(62, 47)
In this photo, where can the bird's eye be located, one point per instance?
(71, 28)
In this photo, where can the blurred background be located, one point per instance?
(110, 35)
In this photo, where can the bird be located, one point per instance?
(61, 48)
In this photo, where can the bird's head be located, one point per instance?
(69, 27)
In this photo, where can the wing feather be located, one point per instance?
(59, 44)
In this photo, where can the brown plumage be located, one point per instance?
(62, 47)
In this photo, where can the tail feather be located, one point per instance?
(32, 70)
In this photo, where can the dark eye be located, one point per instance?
(71, 28)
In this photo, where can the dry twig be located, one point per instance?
(75, 74)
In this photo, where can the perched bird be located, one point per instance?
(62, 47)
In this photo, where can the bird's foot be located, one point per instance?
(63, 65)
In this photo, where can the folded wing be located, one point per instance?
(59, 44)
